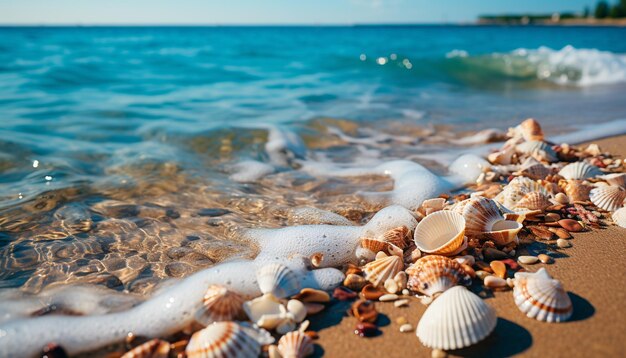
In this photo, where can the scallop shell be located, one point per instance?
(485, 221)
(576, 190)
(531, 130)
(398, 236)
(154, 348)
(533, 169)
(434, 274)
(440, 233)
(618, 179)
(456, 319)
(609, 198)
(579, 171)
(278, 280)
(619, 217)
(534, 201)
(295, 345)
(378, 271)
(220, 304)
(227, 339)
(368, 249)
(541, 297)
(539, 150)
(517, 188)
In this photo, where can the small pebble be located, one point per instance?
(498, 268)
(552, 217)
(407, 327)
(544, 258)
(510, 282)
(213, 212)
(401, 320)
(401, 303)
(465, 260)
(406, 292)
(391, 285)
(482, 274)
(560, 232)
(562, 243)
(343, 293)
(365, 329)
(527, 260)
(388, 297)
(561, 198)
(371, 293)
(438, 353)
(494, 282)
(571, 225)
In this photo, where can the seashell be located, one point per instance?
(541, 297)
(456, 319)
(530, 130)
(154, 348)
(502, 157)
(436, 204)
(534, 201)
(220, 304)
(440, 233)
(354, 282)
(517, 189)
(266, 305)
(576, 190)
(297, 309)
(619, 217)
(618, 179)
(227, 339)
(538, 150)
(485, 221)
(398, 237)
(312, 295)
(434, 274)
(579, 171)
(369, 248)
(295, 345)
(378, 271)
(278, 280)
(609, 198)
(533, 169)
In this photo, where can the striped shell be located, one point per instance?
(295, 344)
(278, 280)
(227, 339)
(609, 198)
(368, 248)
(485, 221)
(378, 271)
(434, 274)
(220, 304)
(398, 236)
(579, 171)
(618, 179)
(541, 297)
(534, 201)
(539, 150)
(441, 233)
(533, 169)
(619, 217)
(154, 348)
(456, 319)
(517, 188)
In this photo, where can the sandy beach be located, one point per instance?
(590, 271)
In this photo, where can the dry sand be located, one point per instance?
(592, 271)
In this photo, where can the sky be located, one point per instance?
(223, 12)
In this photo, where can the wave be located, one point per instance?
(568, 66)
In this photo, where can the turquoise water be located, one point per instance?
(116, 143)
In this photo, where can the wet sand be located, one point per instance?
(592, 271)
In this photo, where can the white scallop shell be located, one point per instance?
(278, 280)
(456, 319)
(609, 198)
(295, 345)
(619, 217)
(534, 201)
(220, 304)
(614, 179)
(539, 150)
(579, 171)
(440, 233)
(227, 339)
(541, 297)
(378, 271)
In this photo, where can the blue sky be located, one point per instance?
(267, 12)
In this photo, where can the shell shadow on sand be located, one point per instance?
(499, 343)
(583, 309)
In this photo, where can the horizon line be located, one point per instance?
(238, 24)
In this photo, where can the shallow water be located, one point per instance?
(117, 145)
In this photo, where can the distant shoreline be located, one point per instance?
(621, 22)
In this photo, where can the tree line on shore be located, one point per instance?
(603, 10)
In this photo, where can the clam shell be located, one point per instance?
(434, 274)
(618, 179)
(378, 271)
(278, 280)
(227, 339)
(534, 201)
(541, 297)
(154, 348)
(579, 171)
(295, 345)
(456, 319)
(609, 198)
(220, 304)
(538, 150)
(440, 233)
(619, 217)
(485, 221)
(576, 190)
(398, 236)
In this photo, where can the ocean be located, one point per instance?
(131, 155)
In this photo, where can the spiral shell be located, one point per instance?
(485, 221)
(579, 171)
(295, 344)
(538, 150)
(154, 348)
(534, 201)
(541, 297)
(441, 232)
(456, 319)
(378, 271)
(619, 217)
(220, 304)
(434, 274)
(609, 198)
(577, 190)
(618, 179)
(278, 280)
(227, 339)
